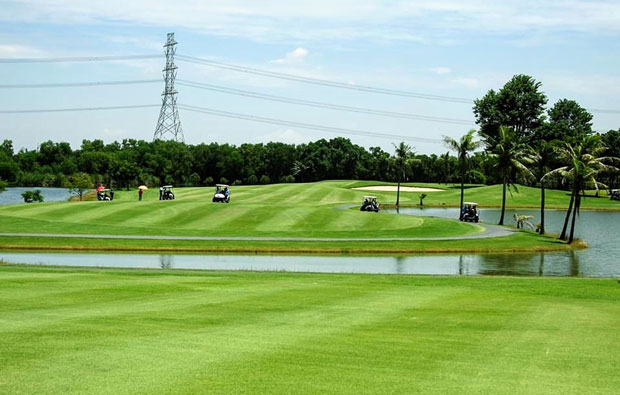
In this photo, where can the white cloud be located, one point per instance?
(289, 136)
(466, 82)
(18, 51)
(274, 20)
(441, 70)
(296, 56)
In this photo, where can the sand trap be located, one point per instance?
(393, 188)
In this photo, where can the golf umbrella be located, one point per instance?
(100, 187)
(143, 187)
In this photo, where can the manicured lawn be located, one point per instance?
(303, 210)
(491, 196)
(137, 331)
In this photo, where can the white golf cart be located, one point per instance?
(105, 195)
(222, 193)
(470, 212)
(615, 194)
(165, 193)
(370, 204)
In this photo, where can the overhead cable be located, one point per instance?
(318, 81)
(77, 59)
(78, 84)
(303, 125)
(43, 110)
(331, 106)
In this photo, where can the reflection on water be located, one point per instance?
(535, 264)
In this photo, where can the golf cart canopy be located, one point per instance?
(104, 190)
(470, 204)
(167, 186)
(370, 197)
(221, 185)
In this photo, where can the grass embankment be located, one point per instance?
(285, 210)
(138, 331)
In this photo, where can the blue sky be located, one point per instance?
(451, 48)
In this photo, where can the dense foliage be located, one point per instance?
(519, 105)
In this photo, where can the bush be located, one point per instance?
(223, 180)
(287, 179)
(3, 185)
(32, 196)
(208, 181)
(237, 182)
(252, 180)
(264, 179)
(193, 179)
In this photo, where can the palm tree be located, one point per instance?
(463, 147)
(403, 154)
(583, 165)
(299, 168)
(542, 156)
(511, 157)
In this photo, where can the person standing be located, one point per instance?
(140, 192)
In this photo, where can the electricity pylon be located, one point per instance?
(169, 122)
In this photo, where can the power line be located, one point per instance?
(78, 109)
(77, 84)
(324, 128)
(323, 82)
(76, 59)
(331, 106)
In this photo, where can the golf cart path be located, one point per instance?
(489, 231)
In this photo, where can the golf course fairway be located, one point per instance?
(139, 331)
(314, 217)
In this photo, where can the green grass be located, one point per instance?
(138, 331)
(491, 196)
(523, 241)
(284, 210)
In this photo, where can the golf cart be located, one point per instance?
(470, 212)
(370, 204)
(105, 195)
(222, 194)
(615, 194)
(165, 193)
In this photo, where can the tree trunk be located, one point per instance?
(570, 207)
(541, 230)
(572, 226)
(398, 194)
(462, 193)
(501, 217)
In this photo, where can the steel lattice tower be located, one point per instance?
(169, 122)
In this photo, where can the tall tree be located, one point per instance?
(511, 158)
(542, 156)
(403, 154)
(568, 122)
(519, 104)
(463, 147)
(583, 165)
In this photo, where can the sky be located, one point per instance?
(457, 49)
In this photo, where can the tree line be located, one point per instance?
(518, 106)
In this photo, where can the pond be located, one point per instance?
(14, 195)
(562, 264)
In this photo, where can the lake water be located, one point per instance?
(14, 195)
(597, 228)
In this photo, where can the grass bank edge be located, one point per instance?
(521, 242)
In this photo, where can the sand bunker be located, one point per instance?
(392, 188)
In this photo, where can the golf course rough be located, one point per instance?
(173, 332)
(276, 211)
